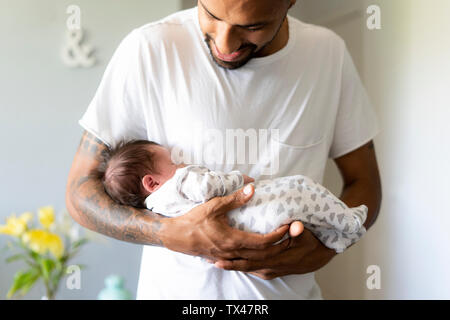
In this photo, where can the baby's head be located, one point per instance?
(135, 169)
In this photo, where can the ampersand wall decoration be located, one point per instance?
(75, 54)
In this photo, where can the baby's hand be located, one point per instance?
(247, 179)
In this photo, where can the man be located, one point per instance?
(228, 65)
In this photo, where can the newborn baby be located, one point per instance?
(142, 174)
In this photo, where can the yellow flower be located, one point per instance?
(16, 226)
(42, 241)
(55, 245)
(26, 216)
(46, 216)
(36, 240)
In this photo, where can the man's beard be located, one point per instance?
(237, 64)
(232, 64)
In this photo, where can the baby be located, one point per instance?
(141, 174)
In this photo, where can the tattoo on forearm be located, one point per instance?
(101, 213)
(114, 220)
(92, 146)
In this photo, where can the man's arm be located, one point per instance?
(362, 185)
(203, 231)
(362, 182)
(91, 207)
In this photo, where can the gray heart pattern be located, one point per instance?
(332, 216)
(276, 202)
(291, 213)
(346, 228)
(280, 209)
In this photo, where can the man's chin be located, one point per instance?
(232, 64)
(229, 64)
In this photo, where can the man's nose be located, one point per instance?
(226, 41)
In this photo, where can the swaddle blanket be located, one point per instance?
(275, 202)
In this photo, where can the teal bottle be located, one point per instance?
(114, 289)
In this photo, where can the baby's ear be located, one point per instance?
(149, 183)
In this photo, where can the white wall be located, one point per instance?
(418, 156)
(40, 103)
(406, 70)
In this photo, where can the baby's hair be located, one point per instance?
(123, 168)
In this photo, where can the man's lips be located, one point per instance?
(235, 56)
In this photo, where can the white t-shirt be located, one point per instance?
(162, 85)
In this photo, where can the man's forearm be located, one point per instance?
(92, 208)
(366, 192)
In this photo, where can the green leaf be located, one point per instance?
(58, 265)
(31, 263)
(79, 243)
(21, 279)
(64, 258)
(17, 284)
(47, 266)
(30, 283)
(33, 255)
(71, 255)
(15, 257)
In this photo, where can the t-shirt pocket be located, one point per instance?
(300, 127)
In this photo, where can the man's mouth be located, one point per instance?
(232, 57)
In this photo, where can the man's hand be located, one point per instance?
(305, 253)
(204, 231)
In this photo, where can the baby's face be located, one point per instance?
(164, 165)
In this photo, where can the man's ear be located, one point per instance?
(149, 183)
